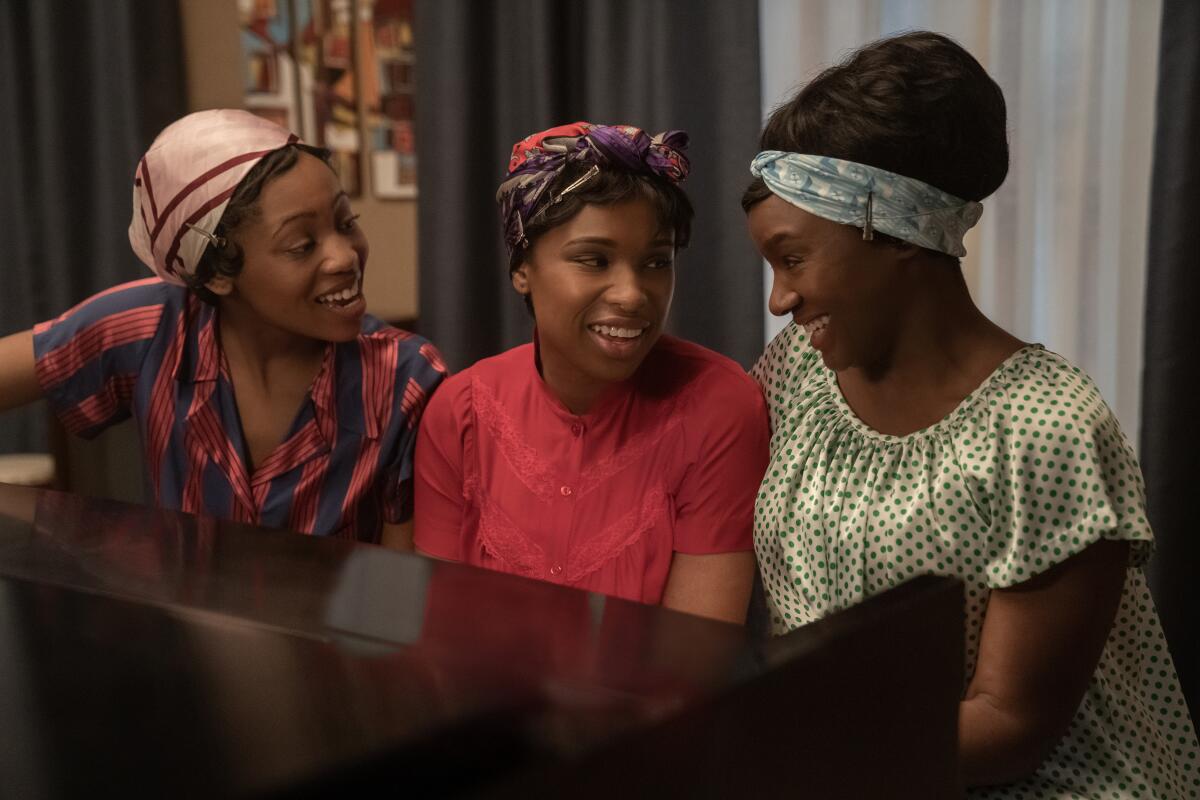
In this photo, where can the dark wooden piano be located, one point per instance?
(146, 653)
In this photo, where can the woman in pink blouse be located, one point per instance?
(602, 455)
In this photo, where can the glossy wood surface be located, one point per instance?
(149, 653)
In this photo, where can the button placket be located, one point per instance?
(567, 491)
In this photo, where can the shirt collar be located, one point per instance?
(199, 358)
(204, 362)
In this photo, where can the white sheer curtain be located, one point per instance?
(1059, 257)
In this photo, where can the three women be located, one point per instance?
(909, 434)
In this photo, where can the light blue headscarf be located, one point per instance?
(869, 198)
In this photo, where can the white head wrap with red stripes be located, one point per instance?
(185, 181)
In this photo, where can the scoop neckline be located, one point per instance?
(960, 410)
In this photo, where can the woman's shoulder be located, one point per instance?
(1036, 382)
(498, 371)
(686, 363)
(785, 369)
(499, 375)
(414, 355)
(136, 309)
(135, 294)
(687, 382)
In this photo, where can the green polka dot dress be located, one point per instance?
(1029, 470)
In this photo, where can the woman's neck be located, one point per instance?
(941, 349)
(264, 351)
(574, 391)
(578, 392)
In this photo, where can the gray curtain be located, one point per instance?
(1170, 439)
(492, 73)
(84, 87)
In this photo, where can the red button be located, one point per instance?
(566, 491)
(556, 569)
(576, 429)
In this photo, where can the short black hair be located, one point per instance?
(916, 104)
(243, 205)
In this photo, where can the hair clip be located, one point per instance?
(216, 241)
(592, 172)
(868, 229)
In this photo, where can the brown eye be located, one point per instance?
(591, 261)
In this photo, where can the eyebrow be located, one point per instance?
(308, 214)
(775, 239)
(605, 241)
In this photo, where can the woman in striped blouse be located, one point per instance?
(262, 391)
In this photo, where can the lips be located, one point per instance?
(344, 296)
(619, 338)
(816, 327)
(816, 324)
(617, 332)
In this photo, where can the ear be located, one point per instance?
(221, 285)
(520, 279)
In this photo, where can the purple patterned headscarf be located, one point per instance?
(537, 160)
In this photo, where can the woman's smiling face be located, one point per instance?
(848, 294)
(601, 285)
(304, 256)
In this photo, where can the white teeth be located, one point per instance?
(815, 325)
(343, 295)
(620, 333)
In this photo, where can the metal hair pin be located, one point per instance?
(216, 241)
(868, 229)
(592, 172)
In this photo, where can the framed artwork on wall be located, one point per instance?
(269, 70)
(388, 69)
(341, 73)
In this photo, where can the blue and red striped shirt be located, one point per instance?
(149, 349)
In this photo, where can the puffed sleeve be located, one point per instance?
(439, 500)
(89, 359)
(1062, 475)
(715, 501)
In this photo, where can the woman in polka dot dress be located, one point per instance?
(911, 435)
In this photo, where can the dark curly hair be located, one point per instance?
(916, 104)
(243, 206)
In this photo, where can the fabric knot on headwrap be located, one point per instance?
(538, 160)
(869, 198)
(185, 180)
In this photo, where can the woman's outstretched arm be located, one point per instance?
(18, 379)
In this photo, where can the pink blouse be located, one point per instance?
(669, 461)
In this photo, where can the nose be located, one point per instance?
(340, 255)
(626, 291)
(783, 300)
